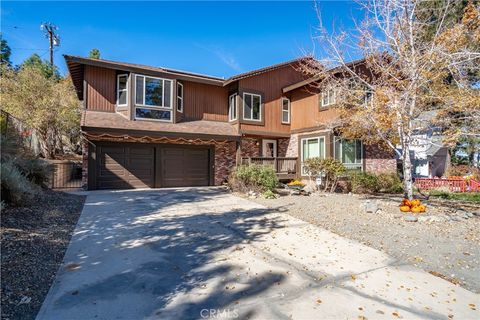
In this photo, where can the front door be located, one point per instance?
(269, 148)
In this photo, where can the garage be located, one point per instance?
(135, 165)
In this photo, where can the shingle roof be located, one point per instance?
(104, 121)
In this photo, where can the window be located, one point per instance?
(232, 107)
(251, 106)
(153, 98)
(349, 152)
(122, 90)
(328, 97)
(312, 148)
(285, 110)
(179, 97)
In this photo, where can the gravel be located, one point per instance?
(33, 243)
(448, 248)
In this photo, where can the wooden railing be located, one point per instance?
(285, 167)
(454, 185)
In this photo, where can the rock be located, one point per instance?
(309, 189)
(379, 211)
(410, 218)
(438, 219)
(24, 300)
(469, 214)
(424, 218)
(370, 207)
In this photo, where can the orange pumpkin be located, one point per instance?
(415, 203)
(405, 208)
(422, 208)
(416, 209)
(406, 202)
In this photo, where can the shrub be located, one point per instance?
(16, 189)
(463, 170)
(253, 177)
(331, 169)
(365, 182)
(269, 195)
(38, 171)
(390, 183)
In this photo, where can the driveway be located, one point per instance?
(201, 252)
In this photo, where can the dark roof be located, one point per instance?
(109, 121)
(317, 77)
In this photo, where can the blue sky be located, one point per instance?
(215, 38)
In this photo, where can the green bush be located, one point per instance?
(365, 182)
(390, 183)
(38, 171)
(461, 196)
(16, 189)
(253, 177)
(331, 169)
(269, 195)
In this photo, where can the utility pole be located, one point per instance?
(51, 34)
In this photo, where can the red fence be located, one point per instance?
(454, 185)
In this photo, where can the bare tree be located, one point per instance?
(385, 73)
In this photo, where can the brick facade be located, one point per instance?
(225, 153)
(282, 147)
(379, 160)
(250, 147)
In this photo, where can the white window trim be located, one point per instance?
(235, 116)
(327, 92)
(118, 90)
(322, 156)
(260, 107)
(338, 140)
(180, 97)
(144, 106)
(288, 110)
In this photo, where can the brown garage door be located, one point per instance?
(184, 166)
(122, 167)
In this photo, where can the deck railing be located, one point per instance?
(454, 185)
(285, 167)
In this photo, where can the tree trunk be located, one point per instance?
(407, 173)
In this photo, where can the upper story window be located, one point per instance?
(349, 152)
(122, 90)
(153, 98)
(232, 107)
(328, 97)
(179, 97)
(251, 106)
(285, 110)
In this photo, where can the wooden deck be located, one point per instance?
(285, 167)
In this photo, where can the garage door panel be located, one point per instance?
(120, 167)
(185, 166)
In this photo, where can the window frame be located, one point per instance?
(118, 90)
(146, 106)
(322, 156)
(235, 106)
(349, 166)
(180, 98)
(327, 93)
(259, 106)
(288, 110)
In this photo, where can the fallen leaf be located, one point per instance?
(319, 301)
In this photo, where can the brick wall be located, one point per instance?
(379, 160)
(250, 147)
(225, 153)
(282, 147)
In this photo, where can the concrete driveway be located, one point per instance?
(200, 252)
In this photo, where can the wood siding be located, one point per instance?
(100, 85)
(306, 112)
(204, 102)
(270, 84)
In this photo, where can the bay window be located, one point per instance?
(153, 98)
(312, 148)
(232, 107)
(349, 152)
(285, 110)
(179, 97)
(122, 90)
(251, 106)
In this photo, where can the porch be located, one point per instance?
(285, 167)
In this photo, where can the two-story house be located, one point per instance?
(156, 127)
